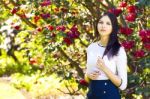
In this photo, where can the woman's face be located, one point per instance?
(104, 26)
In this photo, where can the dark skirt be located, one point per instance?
(103, 89)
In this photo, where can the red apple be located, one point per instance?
(115, 11)
(128, 44)
(132, 9)
(32, 61)
(83, 82)
(14, 11)
(36, 18)
(123, 4)
(50, 27)
(67, 41)
(139, 54)
(126, 30)
(130, 17)
(17, 27)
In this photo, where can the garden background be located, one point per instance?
(43, 42)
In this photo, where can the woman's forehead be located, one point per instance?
(105, 18)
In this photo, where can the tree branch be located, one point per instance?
(73, 63)
(109, 3)
(23, 19)
(123, 21)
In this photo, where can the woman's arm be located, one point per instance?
(114, 78)
(92, 76)
(120, 79)
(121, 64)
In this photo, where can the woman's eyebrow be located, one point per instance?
(108, 22)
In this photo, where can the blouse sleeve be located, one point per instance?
(88, 65)
(122, 68)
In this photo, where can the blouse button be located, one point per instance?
(104, 92)
(105, 84)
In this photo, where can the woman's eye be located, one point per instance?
(108, 23)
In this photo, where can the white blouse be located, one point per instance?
(117, 64)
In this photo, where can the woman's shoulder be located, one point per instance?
(91, 45)
(122, 51)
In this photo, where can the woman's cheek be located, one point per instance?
(98, 28)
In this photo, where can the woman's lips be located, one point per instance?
(102, 30)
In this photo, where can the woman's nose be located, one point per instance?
(103, 26)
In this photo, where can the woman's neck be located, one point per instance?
(103, 41)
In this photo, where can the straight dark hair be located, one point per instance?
(113, 44)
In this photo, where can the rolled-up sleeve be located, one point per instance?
(122, 68)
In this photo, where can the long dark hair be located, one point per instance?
(113, 44)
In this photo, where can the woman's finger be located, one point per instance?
(92, 76)
(96, 73)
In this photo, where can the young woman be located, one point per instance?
(106, 61)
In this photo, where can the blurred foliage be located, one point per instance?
(45, 37)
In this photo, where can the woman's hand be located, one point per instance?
(93, 75)
(100, 63)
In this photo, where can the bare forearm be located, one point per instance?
(113, 77)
